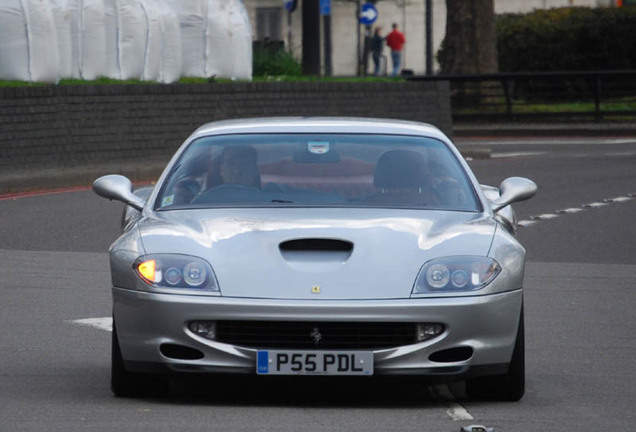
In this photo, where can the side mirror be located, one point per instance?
(117, 187)
(514, 189)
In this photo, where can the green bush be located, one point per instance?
(271, 60)
(567, 39)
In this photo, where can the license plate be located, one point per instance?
(314, 362)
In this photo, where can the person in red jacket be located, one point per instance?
(396, 40)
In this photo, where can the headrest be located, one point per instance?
(400, 169)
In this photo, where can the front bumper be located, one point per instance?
(486, 324)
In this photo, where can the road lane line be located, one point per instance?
(545, 216)
(595, 204)
(527, 223)
(619, 199)
(570, 210)
(532, 220)
(105, 323)
(454, 410)
(505, 155)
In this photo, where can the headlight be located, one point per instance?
(176, 271)
(453, 274)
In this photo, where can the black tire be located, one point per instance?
(509, 386)
(129, 384)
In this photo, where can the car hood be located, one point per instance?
(317, 253)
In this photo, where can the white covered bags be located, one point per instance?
(153, 40)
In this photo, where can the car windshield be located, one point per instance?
(326, 170)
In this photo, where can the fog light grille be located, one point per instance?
(428, 331)
(206, 329)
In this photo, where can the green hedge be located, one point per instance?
(567, 39)
(271, 59)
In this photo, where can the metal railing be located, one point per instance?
(578, 96)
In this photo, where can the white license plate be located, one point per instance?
(275, 362)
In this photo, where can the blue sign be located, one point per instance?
(290, 5)
(325, 7)
(368, 14)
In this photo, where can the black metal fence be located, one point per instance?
(575, 96)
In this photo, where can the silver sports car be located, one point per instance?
(322, 247)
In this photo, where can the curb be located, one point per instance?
(544, 130)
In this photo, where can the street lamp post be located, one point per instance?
(311, 37)
(325, 11)
(429, 37)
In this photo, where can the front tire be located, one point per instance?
(509, 386)
(130, 384)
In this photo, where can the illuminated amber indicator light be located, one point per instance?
(147, 270)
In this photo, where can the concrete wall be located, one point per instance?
(58, 135)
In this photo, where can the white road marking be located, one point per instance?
(593, 205)
(504, 155)
(545, 216)
(526, 223)
(570, 210)
(620, 199)
(105, 323)
(454, 410)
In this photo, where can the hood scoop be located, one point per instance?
(316, 251)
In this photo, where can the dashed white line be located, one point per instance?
(545, 216)
(619, 199)
(454, 410)
(526, 223)
(503, 155)
(570, 210)
(105, 323)
(593, 205)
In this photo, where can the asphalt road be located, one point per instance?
(580, 300)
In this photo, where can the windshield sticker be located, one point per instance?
(318, 147)
(167, 200)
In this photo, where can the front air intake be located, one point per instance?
(316, 335)
(316, 245)
(180, 352)
(452, 355)
(313, 251)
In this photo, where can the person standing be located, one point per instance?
(396, 40)
(377, 45)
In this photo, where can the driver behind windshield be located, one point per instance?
(235, 165)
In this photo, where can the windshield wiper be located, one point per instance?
(280, 201)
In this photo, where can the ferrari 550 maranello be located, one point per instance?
(322, 247)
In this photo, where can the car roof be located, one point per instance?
(320, 124)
